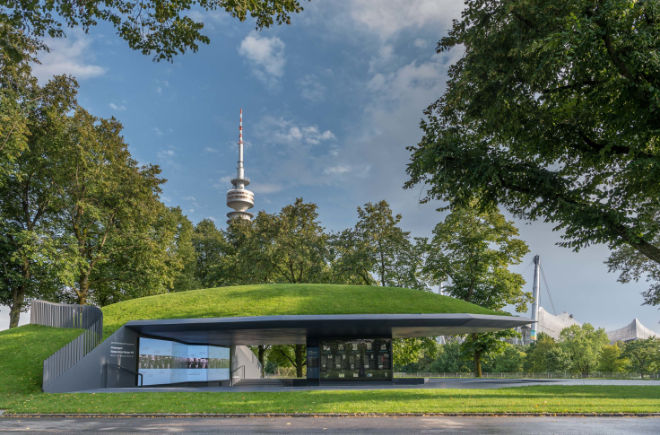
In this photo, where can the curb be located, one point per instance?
(337, 415)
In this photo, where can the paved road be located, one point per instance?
(386, 425)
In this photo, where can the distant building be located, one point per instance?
(633, 331)
(239, 198)
(548, 324)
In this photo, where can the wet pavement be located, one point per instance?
(381, 425)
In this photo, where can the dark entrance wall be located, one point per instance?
(112, 364)
(348, 359)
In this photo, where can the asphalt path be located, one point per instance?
(381, 425)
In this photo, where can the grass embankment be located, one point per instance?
(22, 351)
(282, 299)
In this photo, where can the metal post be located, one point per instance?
(536, 294)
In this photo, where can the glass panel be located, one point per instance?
(168, 362)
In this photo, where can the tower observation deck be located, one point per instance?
(239, 198)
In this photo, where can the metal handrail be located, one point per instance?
(117, 366)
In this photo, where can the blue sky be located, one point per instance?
(330, 102)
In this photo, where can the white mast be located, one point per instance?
(535, 295)
(239, 198)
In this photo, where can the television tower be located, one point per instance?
(239, 198)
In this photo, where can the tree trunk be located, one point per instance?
(84, 289)
(477, 364)
(18, 299)
(299, 350)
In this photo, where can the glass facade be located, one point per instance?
(168, 362)
(357, 359)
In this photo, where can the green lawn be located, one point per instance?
(274, 299)
(550, 399)
(22, 351)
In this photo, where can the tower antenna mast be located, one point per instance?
(239, 198)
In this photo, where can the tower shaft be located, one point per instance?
(239, 198)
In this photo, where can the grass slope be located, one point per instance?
(22, 352)
(278, 299)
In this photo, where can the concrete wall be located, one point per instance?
(244, 364)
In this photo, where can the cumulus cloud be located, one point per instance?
(71, 55)
(117, 107)
(265, 55)
(389, 18)
(265, 188)
(311, 88)
(286, 132)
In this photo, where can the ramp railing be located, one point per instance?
(87, 317)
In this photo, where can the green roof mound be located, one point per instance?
(283, 299)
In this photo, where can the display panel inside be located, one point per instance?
(357, 359)
(170, 362)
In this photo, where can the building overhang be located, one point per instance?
(295, 329)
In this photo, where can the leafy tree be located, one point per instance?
(545, 355)
(449, 359)
(473, 249)
(182, 255)
(634, 266)
(610, 360)
(287, 356)
(408, 351)
(157, 28)
(109, 202)
(511, 360)
(381, 241)
(553, 112)
(210, 247)
(30, 192)
(582, 346)
(352, 261)
(301, 244)
(644, 355)
(19, 94)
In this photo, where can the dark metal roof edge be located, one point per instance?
(329, 317)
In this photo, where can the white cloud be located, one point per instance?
(211, 150)
(68, 56)
(265, 55)
(161, 85)
(337, 170)
(117, 107)
(311, 89)
(158, 131)
(420, 43)
(389, 18)
(166, 154)
(285, 132)
(265, 188)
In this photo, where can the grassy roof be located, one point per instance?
(280, 299)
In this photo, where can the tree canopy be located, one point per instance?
(472, 250)
(553, 112)
(153, 27)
